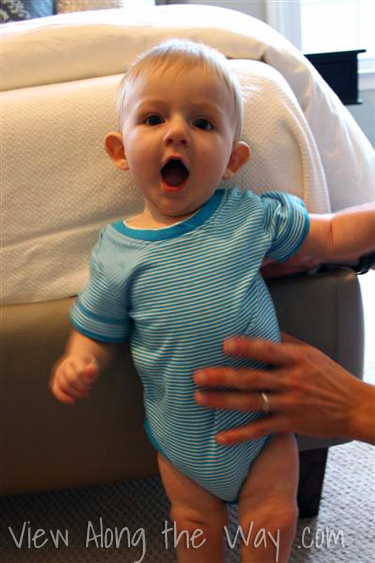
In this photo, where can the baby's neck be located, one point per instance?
(146, 221)
(141, 222)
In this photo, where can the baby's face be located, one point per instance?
(178, 137)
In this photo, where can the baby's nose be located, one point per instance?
(177, 132)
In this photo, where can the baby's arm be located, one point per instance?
(79, 367)
(341, 236)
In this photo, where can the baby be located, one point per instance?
(182, 276)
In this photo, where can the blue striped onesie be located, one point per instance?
(177, 293)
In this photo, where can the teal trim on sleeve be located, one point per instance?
(96, 317)
(93, 336)
(304, 233)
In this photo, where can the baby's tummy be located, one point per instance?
(169, 345)
(198, 324)
(167, 362)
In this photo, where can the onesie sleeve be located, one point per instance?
(100, 311)
(286, 222)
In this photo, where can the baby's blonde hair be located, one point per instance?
(188, 55)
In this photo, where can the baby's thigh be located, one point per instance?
(273, 477)
(191, 505)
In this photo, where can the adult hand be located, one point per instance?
(308, 392)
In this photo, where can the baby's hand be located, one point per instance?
(73, 377)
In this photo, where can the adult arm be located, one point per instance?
(308, 392)
(341, 236)
(346, 237)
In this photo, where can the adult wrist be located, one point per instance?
(362, 416)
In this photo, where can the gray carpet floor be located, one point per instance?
(80, 526)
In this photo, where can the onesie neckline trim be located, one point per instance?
(200, 217)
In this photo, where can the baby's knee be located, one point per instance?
(279, 516)
(201, 525)
(272, 529)
(285, 517)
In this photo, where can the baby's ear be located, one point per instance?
(114, 145)
(239, 156)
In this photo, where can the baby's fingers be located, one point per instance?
(70, 380)
(61, 395)
(80, 374)
(90, 373)
(57, 389)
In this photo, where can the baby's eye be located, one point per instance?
(153, 120)
(202, 123)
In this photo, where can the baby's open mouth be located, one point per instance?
(174, 173)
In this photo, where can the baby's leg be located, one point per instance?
(268, 500)
(193, 508)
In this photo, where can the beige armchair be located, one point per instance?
(47, 445)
